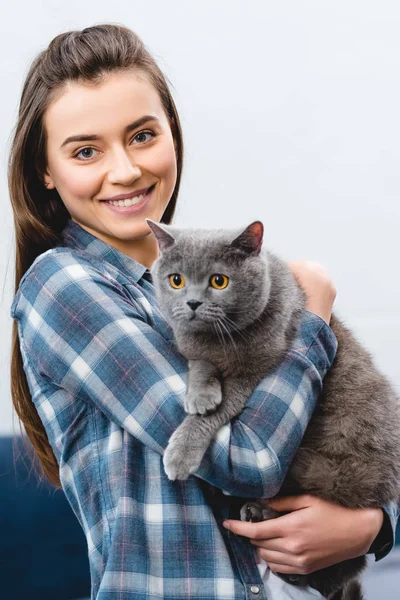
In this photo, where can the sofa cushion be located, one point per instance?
(43, 551)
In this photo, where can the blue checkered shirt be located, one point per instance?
(108, 383)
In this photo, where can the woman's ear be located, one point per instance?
(44, 176)
(43, 173)
(48, 182)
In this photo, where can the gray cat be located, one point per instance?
(234, 311)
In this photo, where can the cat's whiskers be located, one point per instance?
(177, 313)
(221, 339)
(235, 328)
(241, 312)
(259, 318)
(222, 324)
(246, 335)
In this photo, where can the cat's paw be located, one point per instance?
(254, 512)
(203, 402)
(179, 459)
(251, 512)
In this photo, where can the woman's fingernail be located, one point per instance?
(226, 524)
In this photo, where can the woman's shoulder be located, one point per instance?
(63, 259)
(58, 267)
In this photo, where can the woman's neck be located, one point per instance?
(144, 250)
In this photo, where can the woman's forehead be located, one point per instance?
(96, 108)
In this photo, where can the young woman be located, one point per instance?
(96, 378)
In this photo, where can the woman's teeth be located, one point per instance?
(128, 201)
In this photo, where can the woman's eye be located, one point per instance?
(85, 153)
(141, 135)
(218, 281)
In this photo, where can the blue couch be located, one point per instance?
(43, 553)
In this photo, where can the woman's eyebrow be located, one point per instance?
(91, 137)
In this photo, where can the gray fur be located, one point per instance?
(350, 453)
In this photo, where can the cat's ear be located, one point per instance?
(165, 239)
(250, 240)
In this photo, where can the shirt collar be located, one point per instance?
(75, 236)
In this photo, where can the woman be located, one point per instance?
(96, 377)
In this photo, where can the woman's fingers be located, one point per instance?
(258, 531)
(281, 545)
(278, 568)
(318, 286)
(290, 503)
(295, 563)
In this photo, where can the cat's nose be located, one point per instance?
(193, 304)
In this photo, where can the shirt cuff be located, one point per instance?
(319, 347)
(384, 541)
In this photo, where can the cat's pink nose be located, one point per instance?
(193, 304)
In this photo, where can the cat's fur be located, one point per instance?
(350, 453)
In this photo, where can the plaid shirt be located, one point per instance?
(108, 383)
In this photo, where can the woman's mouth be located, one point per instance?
(129, 205)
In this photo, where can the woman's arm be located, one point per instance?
(81, 331)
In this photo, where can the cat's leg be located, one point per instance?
(204, 392)
(189, 442)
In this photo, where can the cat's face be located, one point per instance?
(210, 280)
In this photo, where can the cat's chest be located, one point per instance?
(229, 358)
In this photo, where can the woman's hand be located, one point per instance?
(318, 286)
(316, 534)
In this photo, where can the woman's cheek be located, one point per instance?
(81, 183)
(163, 163)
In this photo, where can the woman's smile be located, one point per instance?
(131, 204)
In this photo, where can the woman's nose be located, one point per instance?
(122, 168)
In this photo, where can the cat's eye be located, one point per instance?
(218, 281)
(177, 281)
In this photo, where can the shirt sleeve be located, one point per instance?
(385, 539)
(84, 333)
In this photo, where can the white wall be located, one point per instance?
(290, 115)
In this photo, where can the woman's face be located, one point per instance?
(109, 140)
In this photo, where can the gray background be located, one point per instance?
(290, 115)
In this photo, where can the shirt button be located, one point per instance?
(255, 589)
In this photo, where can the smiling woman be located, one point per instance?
(126, 173)
(98, 85)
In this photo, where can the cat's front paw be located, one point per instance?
(203, 402)
(179, 459)
(251, 512)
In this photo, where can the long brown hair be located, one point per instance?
(39, 214)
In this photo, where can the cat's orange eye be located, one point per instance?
(177, 281)
(218, 281)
